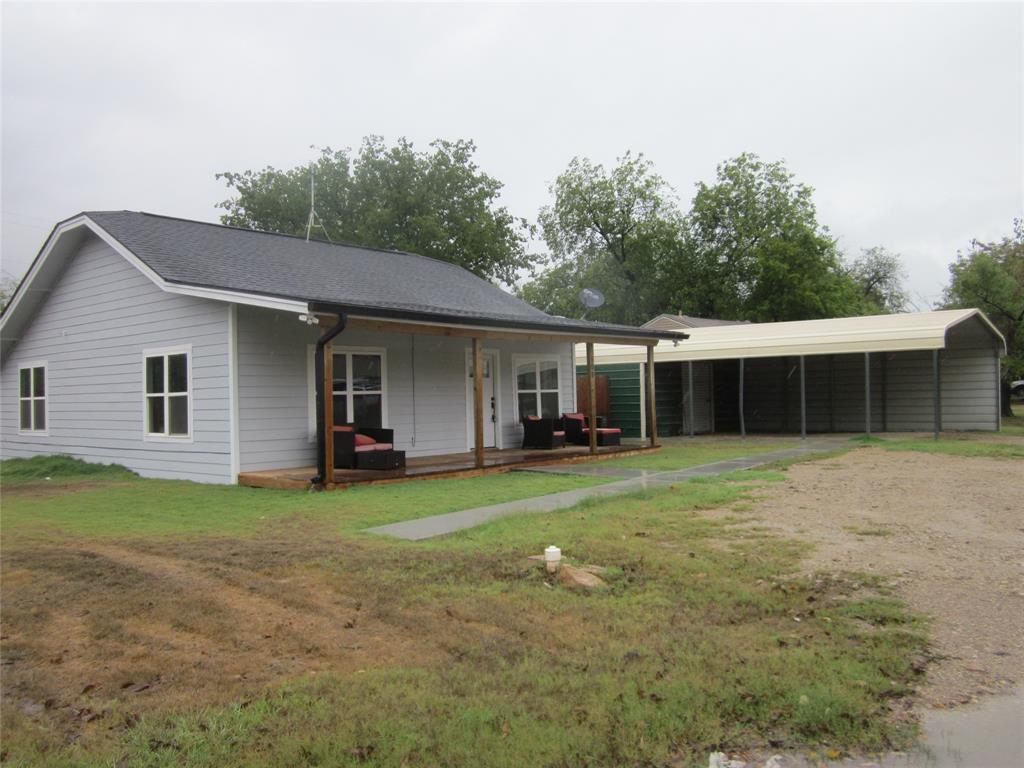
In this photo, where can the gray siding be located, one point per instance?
(902, 388)
(703, 408)
(91, 331)
(430, 418)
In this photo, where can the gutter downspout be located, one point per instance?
(318, 367)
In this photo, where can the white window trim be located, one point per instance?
(518, 360)
(185, 349)
(348, 352)
(45, 398)
(496, 373)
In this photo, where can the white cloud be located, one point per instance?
(906, 119)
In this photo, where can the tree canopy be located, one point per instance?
(879, 276)
(752, 249)
(990, 276)
(613, 230)
(436, 203)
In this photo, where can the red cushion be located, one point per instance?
(364, 440)
(576, 416)
(533, 418)
(585, 430)
(609, 431)
(343, 428)
(365, 448)
(382, 447)
(558, 434)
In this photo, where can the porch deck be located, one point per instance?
(443, 466)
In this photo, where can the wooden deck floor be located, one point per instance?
(432, 467)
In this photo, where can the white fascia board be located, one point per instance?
(215, 294)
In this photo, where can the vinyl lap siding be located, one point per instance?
(274, 385)
(91, 331)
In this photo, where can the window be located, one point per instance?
(32, 398)
(358, 388)
(168, 394)
(537, 391)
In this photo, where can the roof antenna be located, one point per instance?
(314, 220)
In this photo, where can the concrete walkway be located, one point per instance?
(633, 480)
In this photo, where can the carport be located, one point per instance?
(921, 371)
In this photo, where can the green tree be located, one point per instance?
(436, 203)
(8, 285)
(879, 276)
(753, 250)
(990, 276)
(610, 230)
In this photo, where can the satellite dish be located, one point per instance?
(591, 298)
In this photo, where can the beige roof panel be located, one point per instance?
(835, 336)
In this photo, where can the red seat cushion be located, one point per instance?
(343, 428)
(364, 440)
(365, 448)
(558, 434)
(533, 418)
(575, 416)
(609, 431)
(382, 447)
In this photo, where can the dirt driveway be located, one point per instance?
(950, 530)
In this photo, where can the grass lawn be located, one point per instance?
(153, 623)
(1014, 425)
(681, 452)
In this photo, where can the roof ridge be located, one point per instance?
(293, 237)
(267, 232)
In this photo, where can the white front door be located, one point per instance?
(490, 400)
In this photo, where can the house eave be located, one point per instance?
(489, 326)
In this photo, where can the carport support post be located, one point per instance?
(803, 400)
(743, 424)
(478, 403)
(652, 405)
(867, 394)
(937, 396)
(592, 398)
(689, 372)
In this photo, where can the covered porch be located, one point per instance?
(397, 397)
(450, 465)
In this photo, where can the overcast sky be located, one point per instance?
(907, 120)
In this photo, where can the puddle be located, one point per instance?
(990, 735)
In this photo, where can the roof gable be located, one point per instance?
(288, 273)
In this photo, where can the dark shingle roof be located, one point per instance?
(216, 256)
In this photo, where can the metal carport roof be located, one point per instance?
(841, 335)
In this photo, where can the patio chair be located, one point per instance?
(577, 431)
(542, 433)
(365, 448)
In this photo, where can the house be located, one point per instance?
(184, 349)
(916, 371)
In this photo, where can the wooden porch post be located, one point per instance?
(652, 406)
(592, 394)
(478, 402)
(328, 414)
